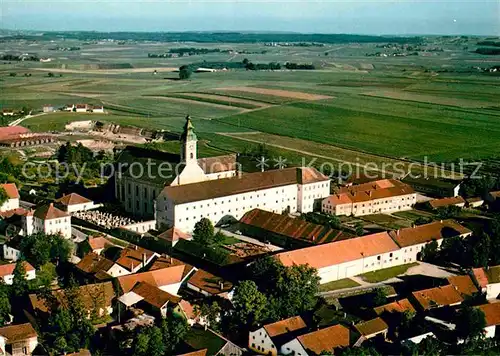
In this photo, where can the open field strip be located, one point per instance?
(278, 92)
(109, 71)
(422, 98)
(187, 100)
(228, 99)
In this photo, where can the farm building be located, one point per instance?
(437, 297)
(438, 187)
(488, 279)
(492, 316)
(314, 343)
(12, 201)
(445, 202)
(382, 196)
(286, 231)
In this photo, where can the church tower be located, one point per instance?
(189, 140)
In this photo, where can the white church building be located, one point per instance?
(193, 195)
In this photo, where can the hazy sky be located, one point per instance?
(326, 16)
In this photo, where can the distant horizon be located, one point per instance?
(367, 17)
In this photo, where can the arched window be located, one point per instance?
(192, 155)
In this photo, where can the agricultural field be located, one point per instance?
(355, 106)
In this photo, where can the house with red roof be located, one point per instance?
(7, 272)
(75, 202)
(12, 201)
(268, 339)
(316, 342)
(131, 260)
(381, 196)
(49, 220)
(491, 313)
(210, 285)
(437, 297)
(488, 280)
(19, 339)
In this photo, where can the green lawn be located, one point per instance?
(340, 284)
(386, 273)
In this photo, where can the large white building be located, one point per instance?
(142, 174)
(348, 258)
(49, 220)
(12, 193)
(193, 195)
(381, 196)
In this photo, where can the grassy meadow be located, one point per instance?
(353, 106)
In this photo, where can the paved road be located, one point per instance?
(18, 121)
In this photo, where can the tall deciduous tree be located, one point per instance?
(5, 307)
(203, 231)
(19, 282)
(470, 323)
(249, 303)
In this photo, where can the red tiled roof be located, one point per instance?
(188, 309)
(436, 230)
(10, 190)
(325, 339)
(154, 295)
(160, 277)
(491, 313)
(9, 213)
(72, 199)
(294, 228)
(463, 284)
(99, 242)
(371, 327)
(9, 132)
(196, 353)
(285, 326)
(131, 256)
(165, 261)
(218, 164)
(48, 212)
(438, 297)
(248, 182)
(210, 283)
(94, 263)
(340, 251)
(495, 194)
(8, 269)
(384, 188)
(173, 234)
(19, 332)
(398, 306)
(485, 276)
(439, 203)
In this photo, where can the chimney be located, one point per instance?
(397, 232)
(314, 238)
(441, 221)
(221, 285)
(132, 266)
(143, 260)
(135, 247)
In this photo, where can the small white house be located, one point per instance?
(7, 272)
(20, 339)
(210, 285)
(264, 340)
(488, 279)
(49, 220)
(75, 202)
(98, 109)
(316, 342)
(12, 201)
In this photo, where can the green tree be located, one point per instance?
(156, 342)
(5, 307)
(184, 72)
(334, 222)
(19, 282)
(46, 275)
(173, 331)
(357, 351)
(3, 196)
(50, 75)
(481, 250)
(203, 232)
(470, 323)
(430, 251)
(212, 313)
(359, 229)
(380, 297)
(141, 344)
(249, 304)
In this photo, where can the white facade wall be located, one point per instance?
(10, 204)
(259, 341)
(141, 227)
(57, 226)
(116, 271)
(493, 291)
(294, 348)
(171, 288)
(9, 279)
(220, 175)
(137, 196)
(10, 253)
(309, 193)
(490, 331)
(82, 207)
(376, 206)
(411, 253)
(360, 266)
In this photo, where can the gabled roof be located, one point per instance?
(491, 313)
(99, 242)
(210, 283)
(10, 190)
(371, 327)
(73, 199)
(464, 284)
(438, 297)
(8, 269)
(160, 277)
(439, 203)
(174, 234)
(485, 276)
(380, 189)
(285, 326)
(294, 228)
(218, 164)
(7, 132)
(165, 261)
(340, 251)
(153, 295)
(132, 256)
(19, 332)
(48, 212)
(325, 339)
(248, 182)
(10, 213)
(93, 263)
(436, 230)
(398, 306)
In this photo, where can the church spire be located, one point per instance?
(188, 141)
(188, 133)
